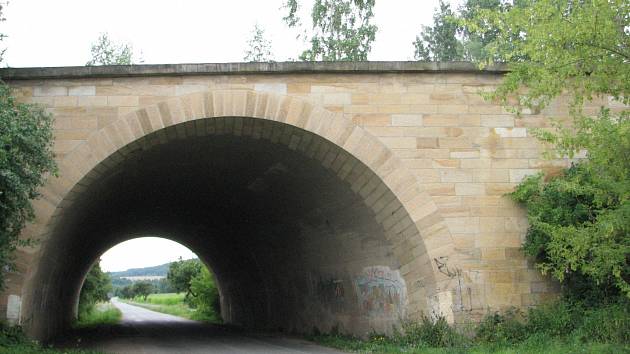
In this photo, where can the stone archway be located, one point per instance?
(420, 241)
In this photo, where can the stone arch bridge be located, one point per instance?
(348, 195)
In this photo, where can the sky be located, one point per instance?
(143, 252)
(60, 33)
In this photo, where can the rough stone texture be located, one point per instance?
(385, 183)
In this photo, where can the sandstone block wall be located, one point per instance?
(465, 152)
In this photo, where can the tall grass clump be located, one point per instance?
(429, 332)
(99, 314)
(562, 326)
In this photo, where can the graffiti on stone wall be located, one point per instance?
(331, 293)
(330, 290)
(381, 292)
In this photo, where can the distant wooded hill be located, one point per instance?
(159, 270)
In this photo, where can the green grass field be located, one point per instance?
(170, 303)
(162, 299)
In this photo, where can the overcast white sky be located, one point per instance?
(60, 33)
(143, 252)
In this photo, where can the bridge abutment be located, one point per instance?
(336, 196)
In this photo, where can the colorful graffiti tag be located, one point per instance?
(381, 292)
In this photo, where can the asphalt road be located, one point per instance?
(145, 331)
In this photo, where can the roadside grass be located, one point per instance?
(13, 341)
(172, 304)
(100, 314)
(530, 346)
(558, 327)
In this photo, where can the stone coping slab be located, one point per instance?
(342, 67)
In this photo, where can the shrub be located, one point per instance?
(578, 220)
(11, 335)
(606, 324)
(508, 327)
(26, 158)
(557, 318)
(95, 288)
(206, 296)
(431, 332)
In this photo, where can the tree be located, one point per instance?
(341, 29)
(258, 47)
(95, 288)
(106, 52)
(450, 39)
(26, 158)
(180, 274)
(143, 289)
(2, 35)
(439, 42)
(127, 292)
(206, 300)
(580, 220)
(474, 43)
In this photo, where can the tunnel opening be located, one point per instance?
(154, 273)
(297, 231)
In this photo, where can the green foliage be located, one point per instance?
(127, 292)
(180, 274)
(503, 328)
(95, 288)
(106, 52)
(14, 341)
(561, 46)
(206, 299)
(450, 37)
(430, 332)
(165, 299)
(101, 314)
(142, 289)
(258, 47)
(342, 29)
(475, 43)
(2, 35)
(11, 335)
(558, 327)
(555, 319)
(176, 304)
(439, 42)
(159, 285)
(26, 158)
(579, 221)
(603, 323)
(193, 278)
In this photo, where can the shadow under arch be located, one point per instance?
(407, 218)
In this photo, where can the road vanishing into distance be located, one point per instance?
(146, 331)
